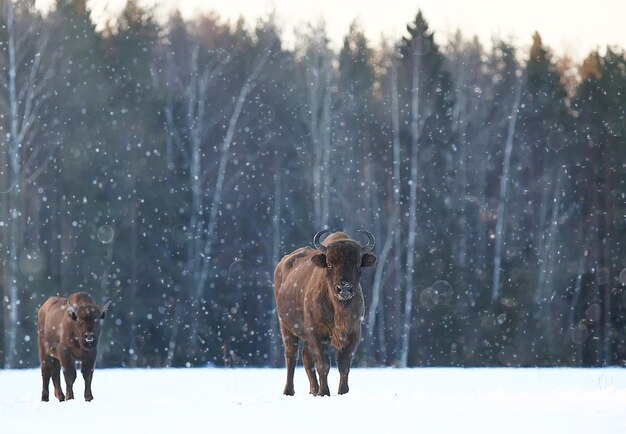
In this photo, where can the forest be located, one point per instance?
(168, 166)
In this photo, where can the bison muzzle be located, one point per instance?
(319, 300)
(69, 330)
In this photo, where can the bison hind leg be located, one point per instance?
(46, 374)
(56, 379)
(290, 341)
(309, 366)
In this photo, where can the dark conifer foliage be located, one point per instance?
(168, 166)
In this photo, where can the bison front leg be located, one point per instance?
(322, 362)
(344, 360)
(86, 369)
(309, 366)
(290, 341)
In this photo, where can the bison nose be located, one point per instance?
(345, 291)
(89, 336)
(344, 286)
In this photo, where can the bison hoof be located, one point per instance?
(289, 391)
(88, 398)
(343, 389)
(44, 397)
(323, 393)
(60, 397)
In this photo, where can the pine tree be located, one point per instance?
(543, 127)
(597, 311)
(425, 89)
(133, 136)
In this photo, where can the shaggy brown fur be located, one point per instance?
(68, 331)
(319, 300)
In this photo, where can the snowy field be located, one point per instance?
(434, 400)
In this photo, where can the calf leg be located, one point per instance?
(344, 360)
(87, 370)
(56, 379)
(290, 341)
(46, 373)
(69, 372)
(309, 366)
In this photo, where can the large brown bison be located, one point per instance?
(319, 300)
(69, 330)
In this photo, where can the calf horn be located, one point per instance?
(371, 241)
(316, 240)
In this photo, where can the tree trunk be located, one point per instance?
(504, 181)
(25, 85)
(392, 239)
(545, 286)
(275, 339)
(319, 98)
(605, 262)
(216, 202)
(14, 195)
(412, 227)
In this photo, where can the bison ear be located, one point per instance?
(105, 309)
(72, 314)
(368, 260)
(319, 260)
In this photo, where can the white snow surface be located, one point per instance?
(381, 400)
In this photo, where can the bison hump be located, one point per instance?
(295, 256)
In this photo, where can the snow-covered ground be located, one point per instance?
(434, 400)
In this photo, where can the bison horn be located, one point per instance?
(316, 240)
(72, 308)
(105, 308)
(371, 241)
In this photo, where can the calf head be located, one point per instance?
(87, 319)
(343, 260)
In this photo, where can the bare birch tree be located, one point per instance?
(25, 71)
(417, 122)
(194, 79)
(319, 78)
(504, 182)
(277, 205)
(545, 284)
(203, 220)
(392, 238)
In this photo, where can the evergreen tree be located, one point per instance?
(364, 154)
(131, 142)
(597, 324)
(543, 128)
(425, 92)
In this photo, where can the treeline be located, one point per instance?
(167, 167)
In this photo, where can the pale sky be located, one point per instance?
(574, 27)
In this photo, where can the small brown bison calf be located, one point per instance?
(69, 330)
(319, 300)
